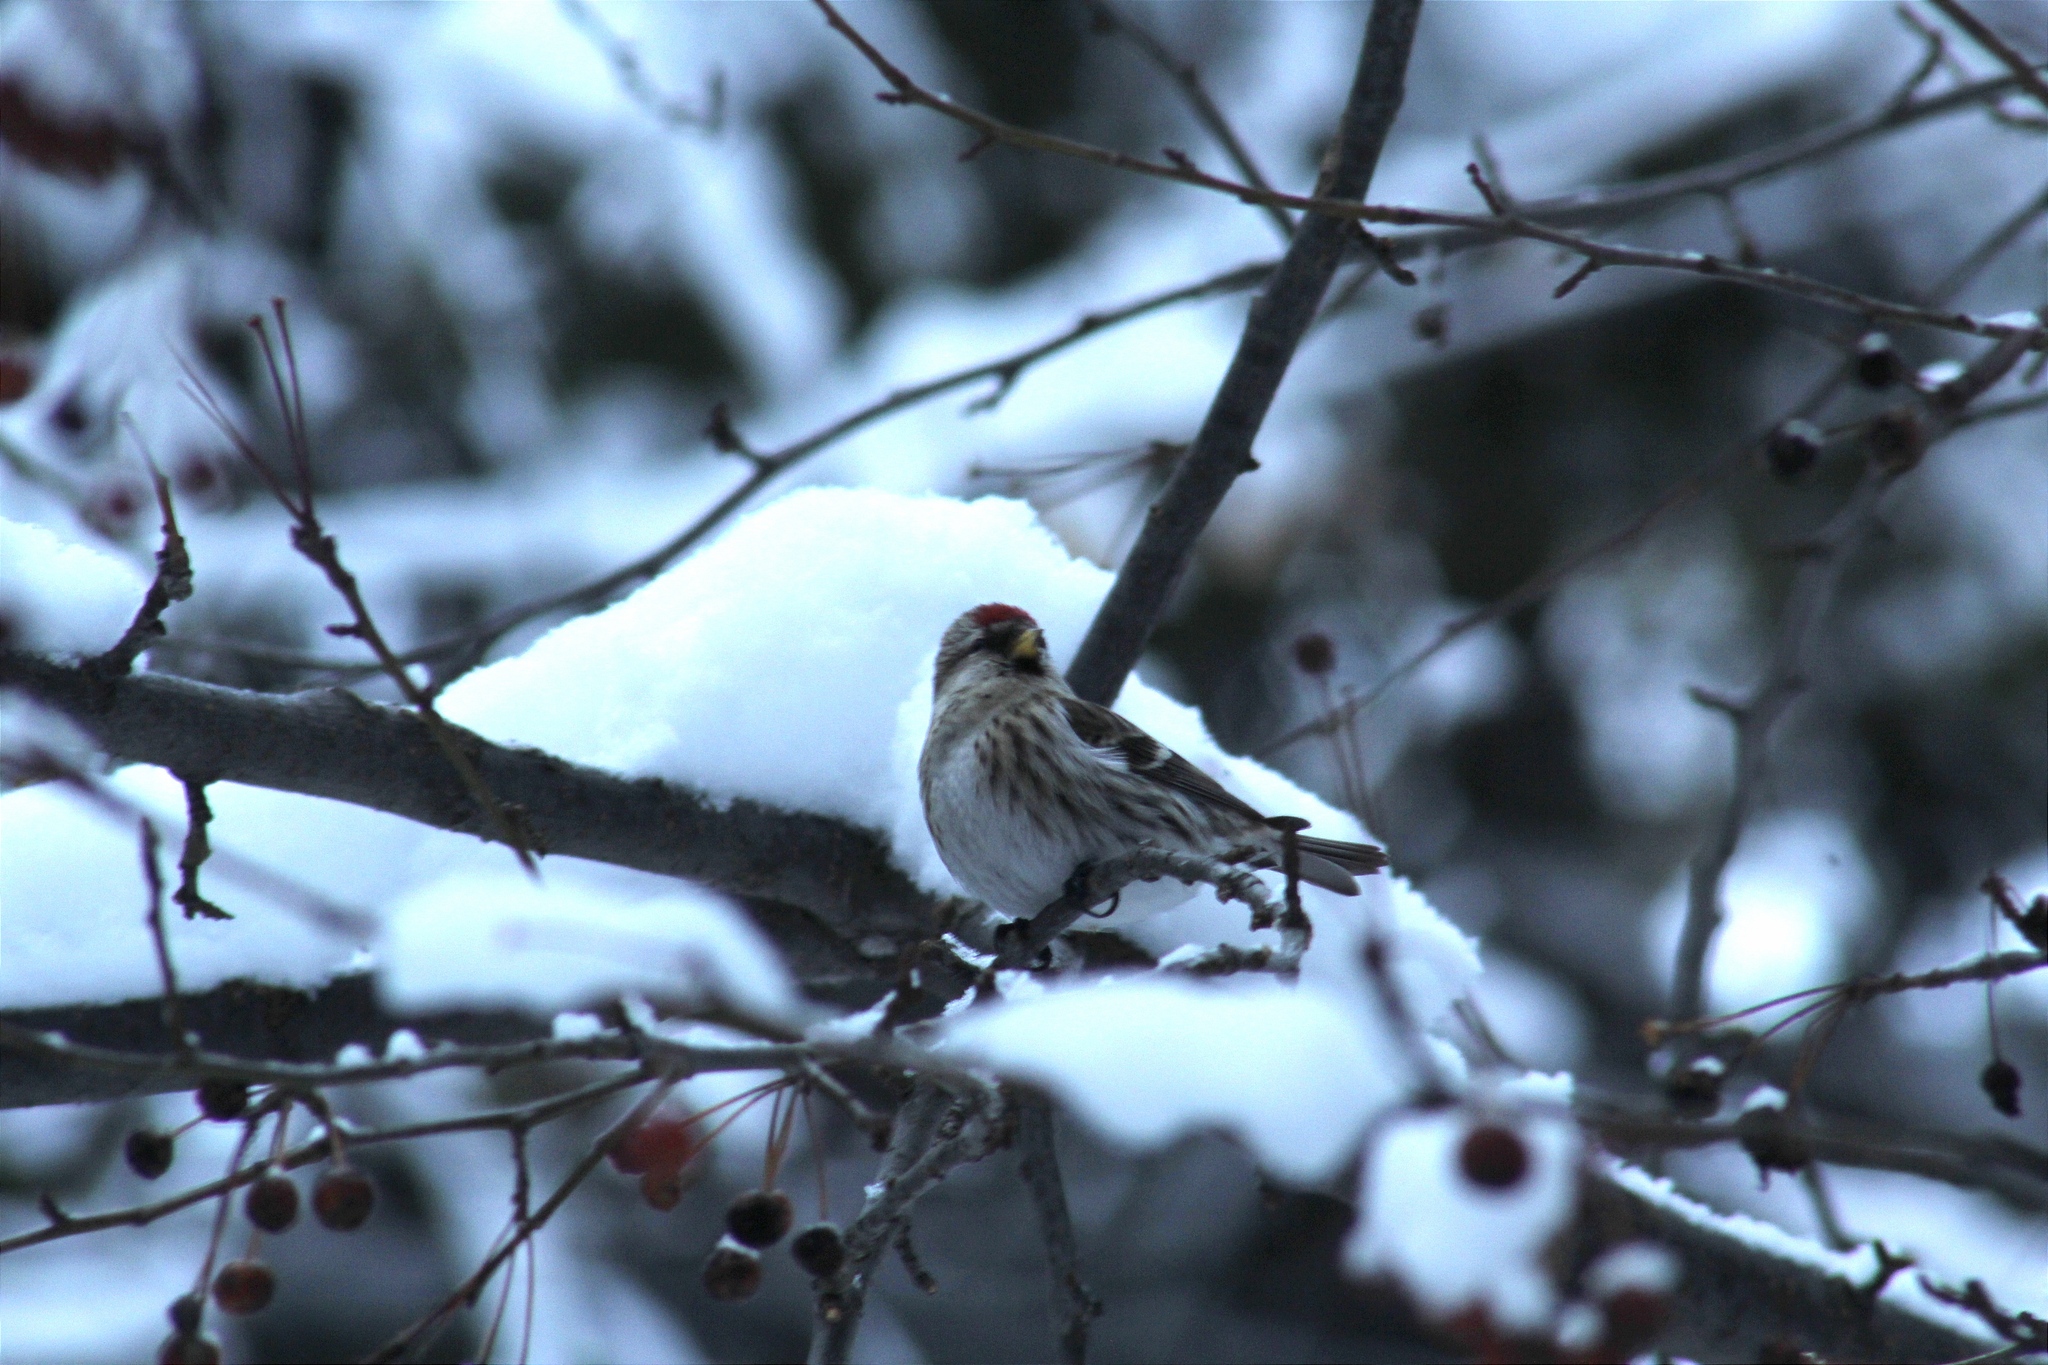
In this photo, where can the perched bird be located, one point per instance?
(1024, 782)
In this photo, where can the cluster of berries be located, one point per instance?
(342, 1200)
(665, 1151)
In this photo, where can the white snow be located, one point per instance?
(59, 597)
(1292, 1073)
(500, 939)
(1454, 1244)
(1857, 1267)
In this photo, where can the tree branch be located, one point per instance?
(1279, 317)
(1813, 586)
(336, 745)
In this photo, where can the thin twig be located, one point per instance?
(631, 74)
(1188, 77)
(198, 814)
(462, 650)
(525, 1227)
(1806, 603)
(310, 538)
(1493, 226)
(1019, 942)
(153, 878)
(1984, 36)
(173, 581)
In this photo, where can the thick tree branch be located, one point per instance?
(1279, 317)
(334, 744)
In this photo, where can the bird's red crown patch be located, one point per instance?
(989, 614)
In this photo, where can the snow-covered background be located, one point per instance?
(517, 294)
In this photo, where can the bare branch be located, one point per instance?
(1984, 36)
(1073, 1307)
(1813, 588)
(1188, 77)
(1279, 317)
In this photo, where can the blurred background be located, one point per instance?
(528, 249)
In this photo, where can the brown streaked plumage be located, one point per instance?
(1023, 781)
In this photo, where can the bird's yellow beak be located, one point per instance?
(1025, 648)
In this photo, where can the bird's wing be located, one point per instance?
(1101, 728)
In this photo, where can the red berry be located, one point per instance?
(223, 1100)
(273, 1203)
(244, 1287)
(659, 1144)
(149, 1152)
(732, 1273)
(759, 1218)
(1634, 1318)
(819, 1249)
(1494, 1157)
(343, 1198)
(17, 377)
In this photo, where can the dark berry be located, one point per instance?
(1314, 654)
(188, 1348)
(197, 475)
(759, 1218)
(819, 1249)
(1897, 440)
(1634, 1318)
(223, 1100)
(659, 1144)
(732, 1273)
(1494, 1157)
(1432, 324)
(16, 378)
(1772, 1143)
(185, 1312)
(1792, 449)
(244, 1287)
(149, 1152)
(1878, 365)
(662, 1190)
(1694, 1089)
(69, 415)
(273, 1203)
(2001, 1081)
(342, 1199)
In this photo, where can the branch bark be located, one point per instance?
(1280, 316)
(336, 745)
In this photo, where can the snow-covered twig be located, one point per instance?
(337, 745)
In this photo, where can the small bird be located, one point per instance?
(1024, 782)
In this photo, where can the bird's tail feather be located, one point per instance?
(1351, 857)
